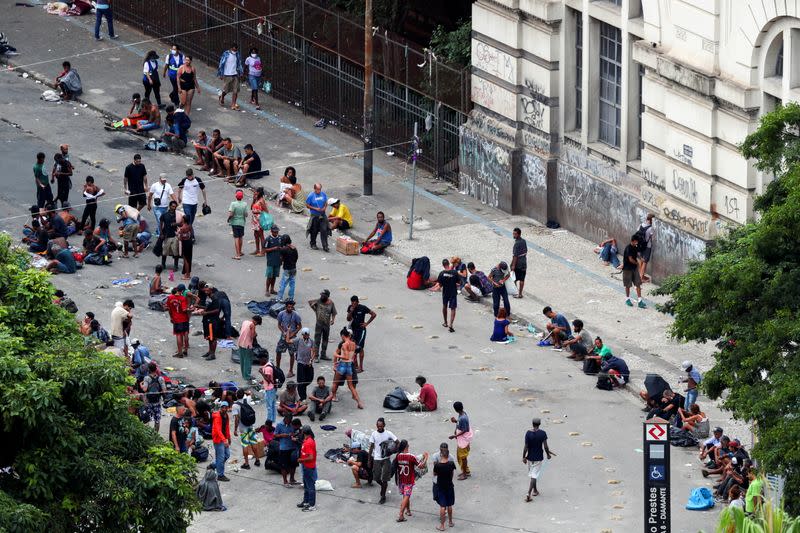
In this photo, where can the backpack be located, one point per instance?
(396, 400)
(69, 305)
(200, 454)
(247, 415)
(604, 383)
(276, 308)
(265, 220)
(641, 236)
(153, 391)
(278, 376)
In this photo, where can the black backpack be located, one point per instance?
(154, 390)
(641, 237)
(604, 383)
(247, 415)
(278, 376)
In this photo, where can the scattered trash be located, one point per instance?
(306, 269)
(614, 482)
(573, 433)
(500, 378)
(417, 326)
(487, 351)
(598, 457)
(587, 443)
(399, 317)
(638, 450)
(466, 357)
(324, 278)
(544, 411)
(433, 337)
(617, 506)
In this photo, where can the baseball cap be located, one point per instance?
(503, 265)
(332, 201)
(305, 331)
(223, 404)
(135, 342)
(355, 444)
(686, 364)
(325, 292)
(274, 226)
(181, 287)
(717, 429)
(162, 176)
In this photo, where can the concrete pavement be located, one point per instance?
(563, 272)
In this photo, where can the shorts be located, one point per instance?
(254, 81)
(248, 437)
(284, 346)
(285, 459)
(230, 84)
(344, 225)
(180, 327)
(344, 369)
(153, 410)
(129, 232)
(445, 497)
(450, 301)
(359, 337)
(534, 469)
(406, 489)
(363, 473)
(119, 342)
(273, 271)
(170, 247)
(519, 273)
(211, 328)
(238, 231)
(645, 255)
(631, 277)
(382, 470)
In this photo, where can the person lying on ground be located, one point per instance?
(152, 121)
(135, 114)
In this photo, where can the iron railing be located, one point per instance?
(313, 58)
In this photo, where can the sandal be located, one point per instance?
(451, 330)
(235, 107)
(401, 519)
(528, 498)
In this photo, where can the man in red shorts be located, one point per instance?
(178, 308)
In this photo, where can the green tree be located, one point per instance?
(74, 458)
(745, 296)
(453, 47)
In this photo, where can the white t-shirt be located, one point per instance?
(229, 69)
(118, 315)
(253, 65)
(191, 190)
(377, 439)
(162, 192)
(150, 67)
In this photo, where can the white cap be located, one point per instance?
(305, 331)
(685, 365)
(134, 342)
(162, 176)
(332, 201)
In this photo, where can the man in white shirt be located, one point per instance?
(119, 315)
(229, 70)
(160, 195)
(380, 465)
(189, 190)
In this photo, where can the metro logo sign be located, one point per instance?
(656, 432)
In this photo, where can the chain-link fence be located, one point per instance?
(314, 59)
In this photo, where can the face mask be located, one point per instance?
(173, 52)
(253, 56)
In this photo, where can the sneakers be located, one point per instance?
(257, 463)
(311, 416)
(322, 416)
(302, 505)
(245, 467)
(628, 302)
(223, 478)
(642, 305)
(308, 509)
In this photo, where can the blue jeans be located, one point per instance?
(309, 486)
(287, 278)
(190, 210)
(269, 402)
(691, 397)
(159, 212)
(607, 255)
(100, 13)
(221, 454)
(497, 293)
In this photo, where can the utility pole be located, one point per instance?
(414, 154)
(369, 99)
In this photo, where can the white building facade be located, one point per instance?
(594, 113)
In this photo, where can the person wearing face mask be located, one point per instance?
(150, 78)
(172, 63)
(254, 71)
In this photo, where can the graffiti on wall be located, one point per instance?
(676, 244)
(599, 168)
(493, 61)
(485, 168)
(654, 180)
(494, 97)
(535, 171)
(490, 126)
(533, 104)
(536, 142)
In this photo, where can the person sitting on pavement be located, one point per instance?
(728, 449)
(69, 82)
(321, 399)
(580, 344)
(135, 114)
(204, 148)
(61, 260)
(152, 121)
(176, 131)
(689, 420)
(616, 369)
(667, 407)
(501, 332)
(558, 327)
(339, 217)
(37, 241)
(289, 194)
(250, 168)
(379, 238)
(428, 398)
(129, 218)
(419, 274)
(226, 160)
(98, 334)
(607, 251)
(289, 401)
(708, 445)
(359, 465)
(69, 219)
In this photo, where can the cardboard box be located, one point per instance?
(259, 448)
(347, 246)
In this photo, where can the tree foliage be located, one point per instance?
(746, 297)
(453, 47)
(73, 457)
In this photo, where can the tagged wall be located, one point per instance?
(485, 170)
(533, 186)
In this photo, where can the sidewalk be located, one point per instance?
(563, 271)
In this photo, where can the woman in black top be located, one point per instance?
(443, 490)
(187, 84)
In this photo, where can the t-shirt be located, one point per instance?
(342, 212)
(176, 425)
(253, 65)
(66, 258)
(463, 423)
(288, 321)
(58, 226)
(212, 304)
(376, 439)
(304, 350)
(324, 311)
(309, 449)
(562, 322)
(448, 279)
(319, 201)
(289, 258)
(238, 210)
(118, 314)
(648, 234)
(497, 274)
(230, 67)
(161, 192)
(405, 468)
(288, 398)
(267, 370)
(520, 251)
(135, 175)
(752, 491)
(236, 410)
(178, 307)
(428, 397)
(481, 282)
(499, 331)
(363, 457)
(443, 473)
(534, 441)
(585, 339)
(247, 335)
(168, 224)
(233, 151)
(273, 257)
(630, 254)
(284, 443)
(191, 190)
(254, 168)
(359, 315)
(39, 173)
(321, 392)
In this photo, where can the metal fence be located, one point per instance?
(314, 60)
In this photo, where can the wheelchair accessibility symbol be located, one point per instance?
(656, 472)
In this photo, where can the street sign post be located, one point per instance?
(656, 477)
